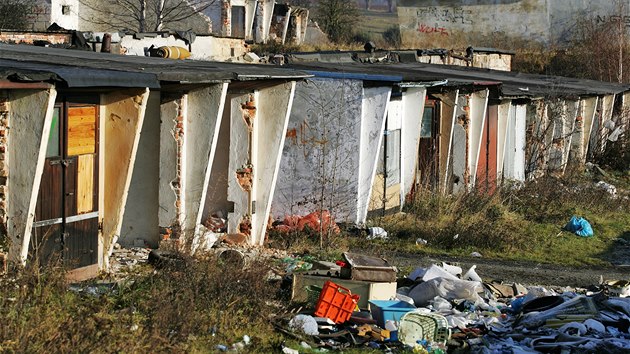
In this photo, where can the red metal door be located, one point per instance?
(66, 220)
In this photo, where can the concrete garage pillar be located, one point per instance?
(122, 115)
(30, 116)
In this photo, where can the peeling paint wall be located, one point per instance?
(203, 48)
(320, 160)
(242, 167)
(140, 220)
(216, 201)
(273, 117)
(514, 160)
(374, 109)
(413, 102)
(504, 111)
(122, 115)
(30, 117)
(171, 136)
(439, 23)
(448, 111)
(478, 108)
(201, 124)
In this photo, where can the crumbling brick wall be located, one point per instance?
(23, 37)
(173, 232)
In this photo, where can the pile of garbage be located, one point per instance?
(315, 221)
(359, 302)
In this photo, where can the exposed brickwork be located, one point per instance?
(226, 18)
(29, 37)
(173, 231)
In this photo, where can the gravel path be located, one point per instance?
(526, 273)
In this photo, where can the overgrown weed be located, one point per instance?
(193, 308)
(516, 222)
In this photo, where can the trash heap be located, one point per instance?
(359, 302)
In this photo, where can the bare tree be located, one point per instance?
(337, 18)
(143, 15)
(14, 14)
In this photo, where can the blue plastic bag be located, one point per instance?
(579, 226)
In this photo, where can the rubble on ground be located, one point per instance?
(361, 301)
(355, 303)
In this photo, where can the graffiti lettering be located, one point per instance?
(422, 28)
(600, 19)
(455, 14)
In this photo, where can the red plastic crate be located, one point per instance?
(336, 302)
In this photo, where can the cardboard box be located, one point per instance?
(365, 289)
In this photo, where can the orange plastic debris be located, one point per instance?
(336, 302)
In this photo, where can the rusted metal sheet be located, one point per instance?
(367, 268)
(487, 165)
(5, 84)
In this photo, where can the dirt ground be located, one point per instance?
(525, 273)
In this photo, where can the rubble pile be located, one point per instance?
(359, 302)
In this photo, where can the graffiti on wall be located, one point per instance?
(455, 14)
(423, 28)
(623, 19)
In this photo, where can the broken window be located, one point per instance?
(427, 121)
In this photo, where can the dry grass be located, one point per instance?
(519, 224)
(191, 309)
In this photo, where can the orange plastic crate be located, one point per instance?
(336, 302)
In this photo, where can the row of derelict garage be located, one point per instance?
(99, 148)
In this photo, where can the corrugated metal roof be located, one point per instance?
(84, 68)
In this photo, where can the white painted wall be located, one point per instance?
(320, 158)
(448, 114)
(373, 111)
(505, 110)
(140, 220)
(411, 122)
(569, 130)
(30, 118)
(203, 48)
(216, 201)
(167, 195)
(240, 159)
(122, 116)
(590, 111)
(265, 19)
(608, 103)
(478, 108)
(274, 109)
(548, 21)
(201, 128)
(69, 20)
(514, 161)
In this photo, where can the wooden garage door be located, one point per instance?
(66, 219)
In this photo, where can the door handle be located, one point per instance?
(69, 194)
